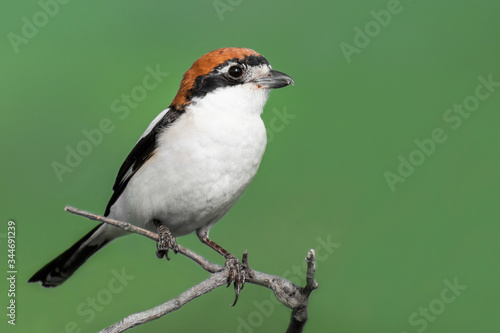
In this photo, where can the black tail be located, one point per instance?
(61, 268)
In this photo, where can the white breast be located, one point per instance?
(204, 162)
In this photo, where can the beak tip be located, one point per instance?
(274, 80)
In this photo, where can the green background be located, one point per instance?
(322, 175)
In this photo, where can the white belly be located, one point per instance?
(205, 163)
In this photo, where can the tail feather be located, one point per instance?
(63, 266)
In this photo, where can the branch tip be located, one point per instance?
(311, 283)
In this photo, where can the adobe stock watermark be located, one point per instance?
(428, 314)
(453, 117)
(31, 26)
(372, 29)
(95, 136)
(223, 6)
(89, 308)
(296, 274)
(278, 123)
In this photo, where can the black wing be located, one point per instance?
(142, 151)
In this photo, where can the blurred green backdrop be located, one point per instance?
(371, 78)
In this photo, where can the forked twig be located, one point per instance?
(289, 294)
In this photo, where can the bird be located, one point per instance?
(192, 163)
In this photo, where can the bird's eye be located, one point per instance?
(235, 71)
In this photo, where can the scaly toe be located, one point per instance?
(236, 275)
(166, 241)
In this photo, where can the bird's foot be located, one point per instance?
(238, 273)
(166, 241)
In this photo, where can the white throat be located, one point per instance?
(244, 99)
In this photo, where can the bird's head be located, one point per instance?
(230, 77)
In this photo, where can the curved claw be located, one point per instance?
(237, 275)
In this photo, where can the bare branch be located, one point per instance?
(311, 283)
(123, 225)
(289, 294)
(299, 313)
(204, 263)
(214, 281)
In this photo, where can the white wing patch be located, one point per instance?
(153, 123)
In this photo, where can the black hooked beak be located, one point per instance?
(274, 79)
